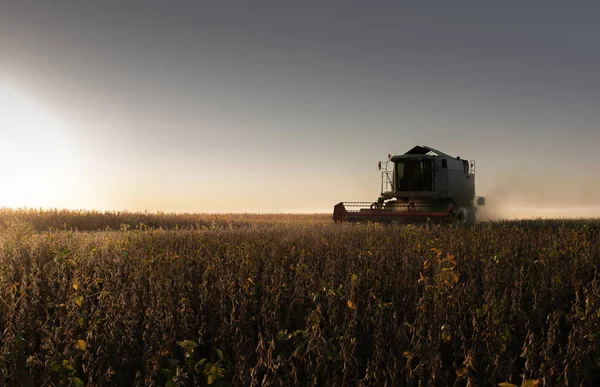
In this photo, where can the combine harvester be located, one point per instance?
(421, 185)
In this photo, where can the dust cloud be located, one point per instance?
(523, 196)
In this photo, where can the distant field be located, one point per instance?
(43, 220)
(164, 299)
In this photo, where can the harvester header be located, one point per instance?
(422, 184)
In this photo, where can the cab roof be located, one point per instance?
(425, 150)
(421, 150)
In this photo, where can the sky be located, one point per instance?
(275, 106)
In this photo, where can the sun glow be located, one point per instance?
(34, 159)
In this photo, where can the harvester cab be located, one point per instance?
(420, 185)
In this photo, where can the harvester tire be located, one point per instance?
(461, 215)
(470, 221)
(464, 217)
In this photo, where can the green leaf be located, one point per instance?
(54, 366)
(188, 345)
(480, 312)
(220, 353)
(446, 337)
(210, 379)
(281, 335)
(167, 373)
(76, 382)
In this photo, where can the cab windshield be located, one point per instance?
(413, 175)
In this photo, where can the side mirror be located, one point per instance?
(379, 166)
(481, 201)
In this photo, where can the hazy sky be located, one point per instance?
(280, 106)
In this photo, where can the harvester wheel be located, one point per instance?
(465, 217)
(461, 215)
(470, 218)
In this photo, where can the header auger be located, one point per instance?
(421, 185)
